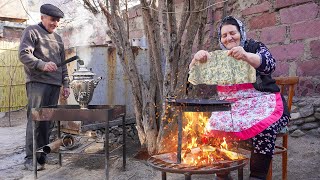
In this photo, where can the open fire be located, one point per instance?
(200, 150)
(189, 148)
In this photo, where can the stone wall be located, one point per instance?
(305, 116)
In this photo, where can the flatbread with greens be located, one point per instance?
(221, 69)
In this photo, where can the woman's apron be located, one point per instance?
(251, 112)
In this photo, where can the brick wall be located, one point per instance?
(136, 29)
(290, 29)
(11, 31)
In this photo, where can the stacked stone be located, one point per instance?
(115, 136)
(305, 116)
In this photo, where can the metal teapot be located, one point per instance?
(83, 85)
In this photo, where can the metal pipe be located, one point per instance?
(124, 142)
(59, 136)
(52, 147)
(240, 171)
(67, 141)
(179, 136)
(106, 143)
(187, 176)
(63, 63)
(35, 175)
(164, 175)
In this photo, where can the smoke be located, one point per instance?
(85, 27)
(79, 27)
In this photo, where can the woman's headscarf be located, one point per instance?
(241, 27)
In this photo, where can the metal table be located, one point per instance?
(94, 113)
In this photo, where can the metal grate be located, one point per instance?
(218, 167)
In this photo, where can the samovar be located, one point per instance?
(83, 85)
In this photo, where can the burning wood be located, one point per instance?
(195, 151)
(199, 149)
(202, 156)
(231, 155)
(206, 155)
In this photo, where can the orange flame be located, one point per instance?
(224, 144)
(198, 152)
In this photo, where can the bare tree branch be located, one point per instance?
(117, 33)
(201, 30)
(191, 32)
(154, 36)
(90, 7)
(148, 95)
(166, 47)
(184, 20)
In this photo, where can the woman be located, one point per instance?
(258, 110)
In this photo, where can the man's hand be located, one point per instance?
(66, 92)
(50, 67)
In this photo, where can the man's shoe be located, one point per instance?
(28, 165)
(42, 159)
(40, 167)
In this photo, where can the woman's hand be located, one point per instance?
(238, 53)
(201, 56)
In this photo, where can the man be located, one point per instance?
(41, 49)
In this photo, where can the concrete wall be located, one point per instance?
(114, 88)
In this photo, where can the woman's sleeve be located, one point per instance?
(268, 63)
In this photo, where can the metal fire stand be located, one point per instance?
(94, 113)
(197, 105)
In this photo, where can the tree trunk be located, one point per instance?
(165, 81)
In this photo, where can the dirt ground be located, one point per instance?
(304, 159)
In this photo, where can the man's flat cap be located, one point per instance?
(51, 10)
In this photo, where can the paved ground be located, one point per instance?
(304, 160)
